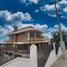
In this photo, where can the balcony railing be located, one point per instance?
(31, 40)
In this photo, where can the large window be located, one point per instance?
(12, 37)
(38, 34)
(32, 34)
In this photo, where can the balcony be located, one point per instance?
(28, 41)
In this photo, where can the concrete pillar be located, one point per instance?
(28, 35)
(35, 35)
(33, 55)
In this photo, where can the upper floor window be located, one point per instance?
(38, 34)
(11, 37)
(35, 34)
(32, 34)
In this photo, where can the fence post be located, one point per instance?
(33, 55)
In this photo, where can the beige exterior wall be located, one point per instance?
(25, 37)
(19, 37)
(22, 37)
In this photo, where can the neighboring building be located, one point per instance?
(21, 39)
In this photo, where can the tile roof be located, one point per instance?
(28, 28)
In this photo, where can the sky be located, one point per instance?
(38, 13)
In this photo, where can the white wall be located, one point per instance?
(23, 62)
(33, 55)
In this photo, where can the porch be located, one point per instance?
(11, 51)
(23, 50)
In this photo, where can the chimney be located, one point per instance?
(15, 28)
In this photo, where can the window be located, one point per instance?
(32, 34)
(38, 34)
(11, 37)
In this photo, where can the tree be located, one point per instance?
(56, 38)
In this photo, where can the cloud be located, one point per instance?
(14, 18)
(5, 14)
(29, 1)
(36, 11)
(63, 27)
(37, 26)
(23, 1)
(4, 38)
(47, 32)
(65, 9)
(8, 28)
(34, 1)
(22, 25)
(4, 30)
(63, 2)
(18, 16)
(41, 27)
(50, 9)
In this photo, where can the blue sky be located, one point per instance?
(30, 12)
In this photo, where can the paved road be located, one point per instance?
(61, 62)
(42, 58)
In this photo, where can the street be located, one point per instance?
(61, 62)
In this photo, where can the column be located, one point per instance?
(28, 36)
(33, 55)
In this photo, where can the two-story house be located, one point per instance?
(21, 39)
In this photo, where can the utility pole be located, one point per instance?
(60, 31)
